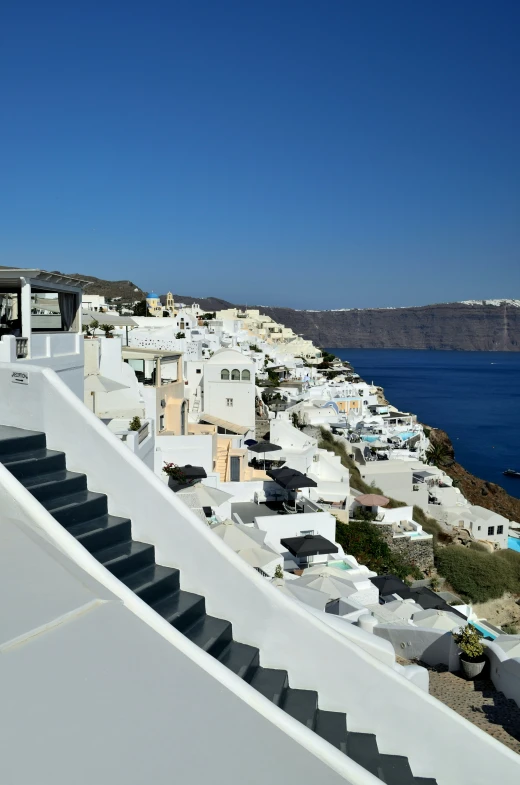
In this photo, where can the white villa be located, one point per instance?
(191, 626)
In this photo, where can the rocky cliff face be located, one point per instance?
(476, 491)
(455, 326)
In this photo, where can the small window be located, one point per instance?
(491, 530)
(246, 376)
(478, 528)
(161, 422)
(224, 374)
(235, 375)
(229, 401)
(500, 529)
(199, 370)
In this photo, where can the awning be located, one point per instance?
(309, 545)
(114, 319)
(291, 479)
(228, 426)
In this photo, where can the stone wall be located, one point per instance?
(418, 552)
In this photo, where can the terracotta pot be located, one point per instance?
(472, 668)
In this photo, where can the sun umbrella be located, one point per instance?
(238, 535)
(509, 644)
(249, 442)
(95, 383)
(264, 447)
(313, 597)
(402, 609)
(309, 545)
(334, 587)
(258, 556)
(372, 500)
(207, 496)
(436, 620)
(291, 479)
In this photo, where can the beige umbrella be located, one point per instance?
(238, 535)
(509, 644)
(95, 383)
(207, 496)
(313, 597)
(436, 620)
(258, 555)
(402, 609)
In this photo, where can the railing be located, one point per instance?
(261, 571)
(21, 348)
(143, 432)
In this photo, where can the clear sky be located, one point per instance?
(317, 154)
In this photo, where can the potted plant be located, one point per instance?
(472, 657)
(90, 329)
(135, 424)
(175, 474)
(108, 329)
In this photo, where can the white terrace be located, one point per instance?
(40, 322)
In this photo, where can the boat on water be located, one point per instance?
(512, 473)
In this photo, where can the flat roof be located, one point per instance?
(130, 353)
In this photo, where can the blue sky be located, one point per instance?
(312, 154)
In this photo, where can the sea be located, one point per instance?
(473, 396)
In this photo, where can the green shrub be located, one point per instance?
(476, 575)
(278, 573)
(510, 629)
(365, 542)
(135, 424)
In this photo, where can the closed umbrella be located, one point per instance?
(95, 383)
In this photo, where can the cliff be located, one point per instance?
(476, 491)
(449, 326)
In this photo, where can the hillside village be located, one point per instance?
(330, 495)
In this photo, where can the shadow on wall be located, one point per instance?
(433, 647)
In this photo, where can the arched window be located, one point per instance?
(224, 374)
(235, 375)
(246, 376)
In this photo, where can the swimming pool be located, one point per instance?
(406, 435)
(486, 633)
(339, 565)
(513, 543)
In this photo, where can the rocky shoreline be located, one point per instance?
(477, 491)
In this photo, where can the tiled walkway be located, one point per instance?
(480, 703)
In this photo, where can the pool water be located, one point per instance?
(513, 543)
(485, 633)
(339, 565)
(407, 435)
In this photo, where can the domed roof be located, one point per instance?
(152, 296)
(228, 356)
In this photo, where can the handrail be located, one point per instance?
(379, 700)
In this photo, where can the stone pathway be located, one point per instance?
(479, 702)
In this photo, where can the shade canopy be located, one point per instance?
(313, 597)
(263, 447)
(193, 472)
(509, 644)
(206, 495)
(291, 479)
(237, 535)
(334, 587)
(372, 500)
(309, 545)
(96, 383)
(389, 584)
(249, 442)
(115, 319)
(436, 620)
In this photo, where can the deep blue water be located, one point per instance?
(474, 396)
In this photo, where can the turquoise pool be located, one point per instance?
(513, 543)
(406, 435)
(339, 565)
(486, 633)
